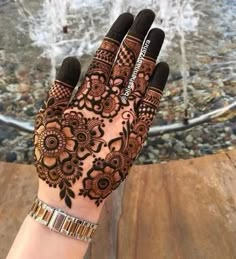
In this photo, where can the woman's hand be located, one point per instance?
(86, 144)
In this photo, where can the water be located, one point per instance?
(200, 48)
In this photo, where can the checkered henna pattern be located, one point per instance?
(84, 147)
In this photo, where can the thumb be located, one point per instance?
(66, 80)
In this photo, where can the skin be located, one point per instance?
(84, 148)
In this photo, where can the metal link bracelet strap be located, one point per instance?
(61, 222)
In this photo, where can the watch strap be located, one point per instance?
(61, 222)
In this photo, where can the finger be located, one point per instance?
(145, 66)
(130, 48)
(106, 53)
(149, 104)
(66, 80)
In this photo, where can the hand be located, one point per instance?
(85, 147)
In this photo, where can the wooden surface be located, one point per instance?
(177, 210)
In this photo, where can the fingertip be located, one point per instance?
(142, 23)
(156, 37)
(147, 13)
(69, 71)
(160, 76)
(127, 17)
(158, 33)
(121, 26)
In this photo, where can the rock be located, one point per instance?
(148, 161)
(151, 156)
(191, 153)
(29, 143)
(179, 136)
(1, 71)
(11, 156)
(7, 133)
(189, 145)
(2, 54)
(175, 76)
(159, 141)
(23, 88)
(178, 147)
(166, 137)
(13, 88)
(193, 70)
(199, 140)
(2, 107)
(234, 129)
(189, 138)
(40, 94)
(29, 111)
(39, 104)
(228, 129)
(141, 159)
(156, 152)
(22, 73)
(206, 150)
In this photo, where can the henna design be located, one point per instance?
(143, 77)
(95, 95)
(126, 60)
(60, 90)
(123, 150)
(96, 129)
(100, 183)
(104, 57)
(61, 143)
(53, 142)
(92, 92)
(150, 104)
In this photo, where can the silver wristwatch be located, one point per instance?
(61, 222)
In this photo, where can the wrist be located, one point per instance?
(81, 207)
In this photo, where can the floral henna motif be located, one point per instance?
(53, 142)
(62, 144)
(95, 94)
(107, 174)
(92, 91)
(88, 133)
(100, 183)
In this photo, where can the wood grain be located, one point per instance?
(182, 209)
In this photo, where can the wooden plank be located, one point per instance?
(183, 209)
(177, 210)
(104, 245)
(18, 185)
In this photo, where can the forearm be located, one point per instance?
(37, 241)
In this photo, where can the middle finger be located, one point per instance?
(130, 48)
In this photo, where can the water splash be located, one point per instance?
(89, 20)
(206, 40)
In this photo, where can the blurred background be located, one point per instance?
(198, 110)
